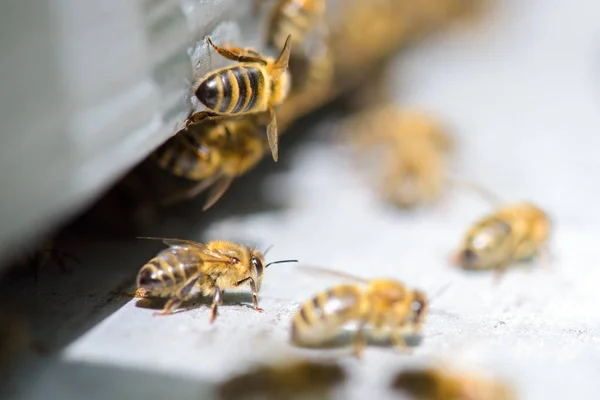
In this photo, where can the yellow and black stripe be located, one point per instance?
(177, 157)
(325, 313)
(170, 268)
(232, 90)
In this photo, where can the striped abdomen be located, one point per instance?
(166, 272)
(234, 90)
(320, 319)
(180, 159)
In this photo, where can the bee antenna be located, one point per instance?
(280, 262)
(267, 250)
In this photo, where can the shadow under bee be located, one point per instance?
(233, 299)
(346, 339)
(297, 380)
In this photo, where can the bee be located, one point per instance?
(513, 233)
(295, 17)
(258, 84)
(386, 305)
(209, 268)
(213, 153)
(293, 380)
(414, 148)
(441, 384)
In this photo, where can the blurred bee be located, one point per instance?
(258, 84)
(295, 17)
(390, 308)
(414, 147)
(209, 268)
(513, 233)
(213, 153)
(441, 384)
(295, 380)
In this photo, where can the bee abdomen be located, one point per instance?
(232, 90)
(170, 268)
(181, 160)
(321, 318)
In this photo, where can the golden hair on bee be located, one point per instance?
(209, 268)
(295, 17)
(414, 147)
(387, 306)
(444, 384)
(257, 84)
(511, 234)
(214, 153)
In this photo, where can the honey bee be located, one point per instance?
(213, 153)
(293, 380)
(258, 84)
(209, 268)
(386, 305)
(441, 384)
(295, 17)
(414, 149)
(513, 233)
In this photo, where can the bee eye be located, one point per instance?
(416, 306)
(469, 258)
(258, 266)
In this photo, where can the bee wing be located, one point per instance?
(214, 256)
(331, 272)
(217, 191)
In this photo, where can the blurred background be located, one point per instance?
(92, 92)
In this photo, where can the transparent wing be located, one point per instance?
(217, 191)
(333, 273)
(209, 254)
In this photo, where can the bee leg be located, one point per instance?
(272, 135)
(198, 117)
(186, 194)
(236, 54)
(139, 293)
(255, 296)
(178, 298)
(544, 257)
(171, 305)
(216, 302)
(359, 341)
(499, 272)
(400, 343)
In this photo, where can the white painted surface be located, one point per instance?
(522, 96)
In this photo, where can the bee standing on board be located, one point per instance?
(213, 153)
(513, 233)
(390, 308)
(292, 380)
(258, 84)
(439, 384)
(414, 147)
(210, 268)
(295, 17)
